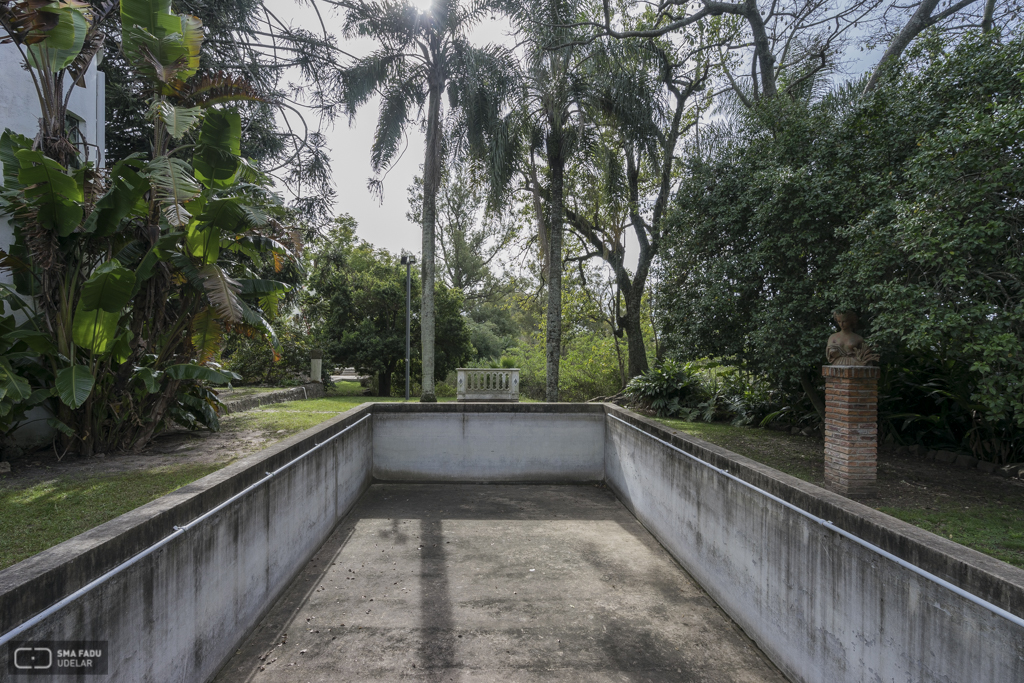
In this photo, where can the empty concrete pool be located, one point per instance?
(495, 583)
(397, 541)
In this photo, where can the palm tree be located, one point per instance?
(420, 54)
(555, 90)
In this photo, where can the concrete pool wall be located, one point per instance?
(178, 613)
(823, 607)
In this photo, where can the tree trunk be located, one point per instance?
(763, 56)
(556, 166)
(634, 333)
(986, 19)
(813, 396)
(921, 19)
(431, 179)
(384, 383)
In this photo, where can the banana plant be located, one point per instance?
(133, 282)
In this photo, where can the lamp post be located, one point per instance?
(407, 261)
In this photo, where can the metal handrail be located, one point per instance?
(177, 531)
(995, 609)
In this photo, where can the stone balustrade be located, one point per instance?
(485, 384)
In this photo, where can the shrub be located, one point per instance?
(589, 368)
(706, 391)
(666, 388)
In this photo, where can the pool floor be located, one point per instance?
(494, 583)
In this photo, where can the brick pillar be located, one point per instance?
(851, 429)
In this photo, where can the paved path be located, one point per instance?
(495, 583)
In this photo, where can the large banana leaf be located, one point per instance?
(145, 269)
(150, 378)
(39, 342)
(258, 287)
(60, 426)
(110, 288)
(74, 384)
(95, 330)
(173, 185)
(10, 295)
(179, 120)
(161, 44)
(206, 334)
(201, 410)
(222, 292)
(55, 194)
(187, 269)
(257, 322)
(10, 143)
(63, 40)
(203, 242)
(221, 88)
(267, 292)
(107, 291)
(127, 188)
(226, 213)
(12, 385)
(216, 159)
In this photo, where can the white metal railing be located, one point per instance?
(176, 532)
(485, 384)
(981, 602)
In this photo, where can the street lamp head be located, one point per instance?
(408, 260)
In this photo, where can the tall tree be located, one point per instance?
(643, 94)
(420, 53)
(355, 304)
(555, 89)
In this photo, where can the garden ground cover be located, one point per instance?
(977, 510)
(45, 501)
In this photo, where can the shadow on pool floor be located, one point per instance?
(494, 583)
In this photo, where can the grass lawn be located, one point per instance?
(57, 501)
(35, 518)
(979, 511)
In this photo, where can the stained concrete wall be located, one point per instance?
(822, 607)
(488, 442)
(178, 614)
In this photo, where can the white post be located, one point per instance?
(315, 365)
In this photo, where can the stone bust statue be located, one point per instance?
(846, 347)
